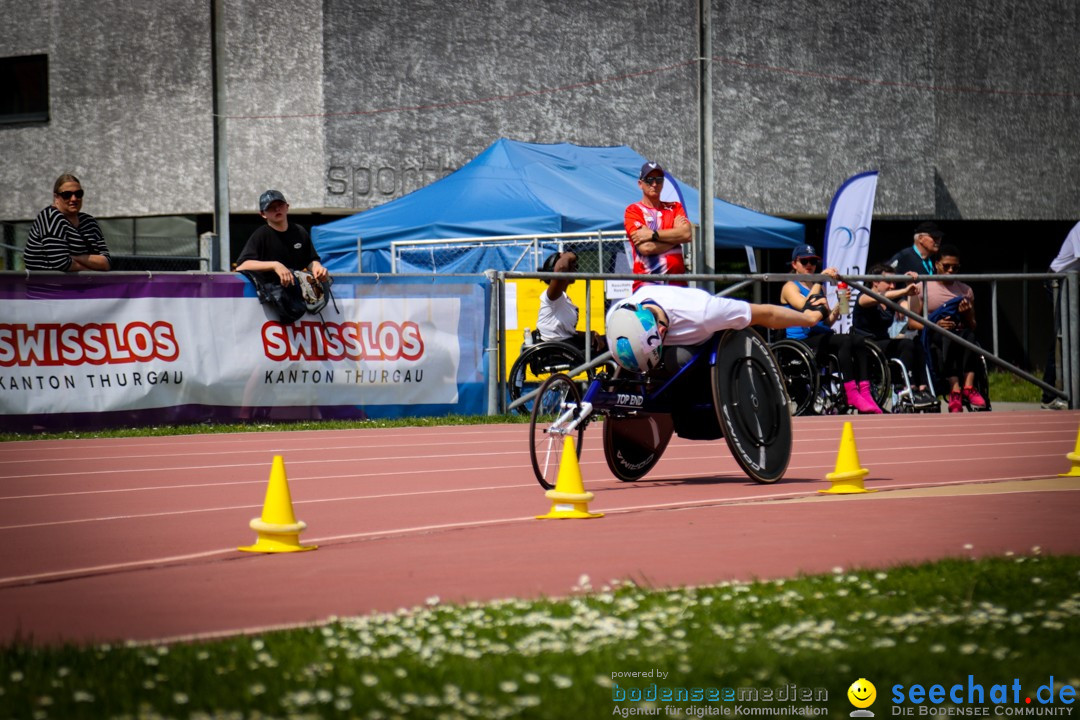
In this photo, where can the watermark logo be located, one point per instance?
(862, 695)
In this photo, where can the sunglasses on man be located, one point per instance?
(68, 194)
(653, 180)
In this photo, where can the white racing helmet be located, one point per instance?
(634, 337)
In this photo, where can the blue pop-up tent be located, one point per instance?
(516, 188)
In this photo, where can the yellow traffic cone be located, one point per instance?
(278, 529)
(569, 499)
(1074, 456)
(848, 476)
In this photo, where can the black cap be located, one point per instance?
(802, 251)
(270, 197)
(931, 229)
(647, 168)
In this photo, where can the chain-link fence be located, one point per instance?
(160, 254)
(598, 252)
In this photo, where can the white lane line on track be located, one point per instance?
(383, 496)
(310, 449)
(753, 501)
(377, 436)
(414, 457)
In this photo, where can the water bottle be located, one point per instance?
(843, 297)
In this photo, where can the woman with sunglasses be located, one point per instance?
(63, 238)
(850, 350)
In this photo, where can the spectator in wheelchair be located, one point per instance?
(877, 322)
(849, 349)
(638, 326)
(950, 304)
(558, 316)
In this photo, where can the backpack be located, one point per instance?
(286, 302)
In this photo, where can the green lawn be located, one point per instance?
(1002, 621)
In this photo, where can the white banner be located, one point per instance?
(847, 232)
(100, 354)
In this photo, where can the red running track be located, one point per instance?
(136, 538)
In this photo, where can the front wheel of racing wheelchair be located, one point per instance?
(746, 404)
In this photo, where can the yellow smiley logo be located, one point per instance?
(862, 693)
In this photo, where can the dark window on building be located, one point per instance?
(24, 89)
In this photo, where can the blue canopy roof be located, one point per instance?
(516, 188)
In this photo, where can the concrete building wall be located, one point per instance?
(969, 110)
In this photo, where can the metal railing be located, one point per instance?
(1067, 333)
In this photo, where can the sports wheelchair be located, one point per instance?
(729, 387)
(819, 390)
(539, 360)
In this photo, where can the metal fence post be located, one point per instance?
(208, 243)
(1070, 351)
(493, 344)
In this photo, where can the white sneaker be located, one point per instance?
(1055, 404)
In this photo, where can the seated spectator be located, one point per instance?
(63, 238)
(950, 305)
(558, 317)
(874, 320)
(850, 350)
(280, 246)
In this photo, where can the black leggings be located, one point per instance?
(850, 352)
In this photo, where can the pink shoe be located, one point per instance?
(956, 404)
(973, 398)
(857, 401)
(864, 391)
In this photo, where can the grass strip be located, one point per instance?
(998, 620)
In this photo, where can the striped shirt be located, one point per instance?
(53, 240)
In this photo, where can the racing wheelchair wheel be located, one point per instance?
(752, 406)
(539, 362)
(800, 371)
(557, 403)
(633, 444)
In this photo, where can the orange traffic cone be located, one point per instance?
(569, 499)
(1074, 456)
(278, 529)
(848, 476)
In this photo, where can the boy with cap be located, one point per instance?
(656, 229)
(279, 246)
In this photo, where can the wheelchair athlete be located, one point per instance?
(850, 350)
(638, 326)
(558, 316)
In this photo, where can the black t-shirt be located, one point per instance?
(292, 248)
(873, 320)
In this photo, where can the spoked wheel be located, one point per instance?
(877, 365)
(556, 404)
(752, 405)
(800, 372)
(539, 362)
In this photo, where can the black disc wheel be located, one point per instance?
(751, 404)
(557, 404)
(633, 444)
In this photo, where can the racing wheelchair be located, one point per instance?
(729, 386)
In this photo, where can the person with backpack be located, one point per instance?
(280, 247)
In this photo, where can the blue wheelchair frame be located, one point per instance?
(746, 404)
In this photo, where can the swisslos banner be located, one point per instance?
(847, 231)
(101, 349)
